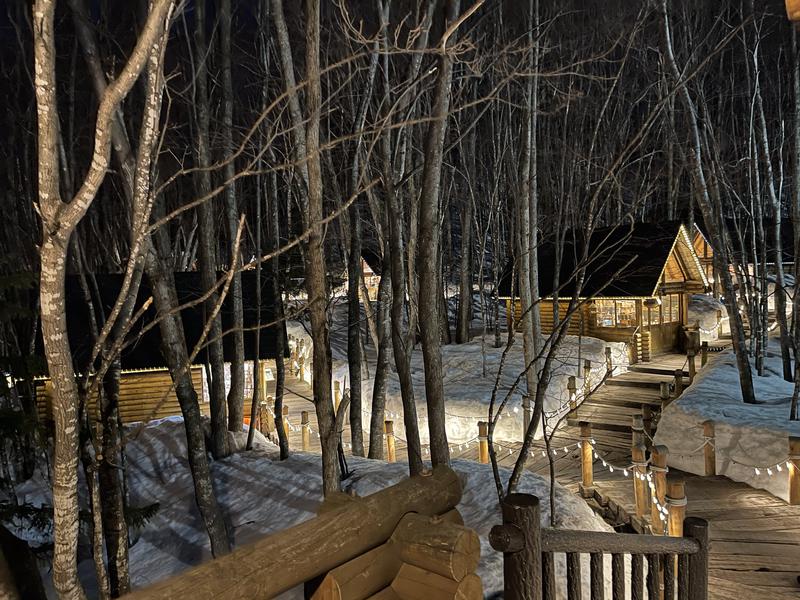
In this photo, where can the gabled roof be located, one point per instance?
(744, 227)
(145, 351)
(623, 261)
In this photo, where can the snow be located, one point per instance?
(707, 310)
(260, 495)
(748, 436)
(467, 389)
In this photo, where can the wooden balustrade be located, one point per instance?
(678, 382)
(529, 571)
(690, 358)
(703, 354)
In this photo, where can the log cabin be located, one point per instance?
(146, 386)
(636, 290)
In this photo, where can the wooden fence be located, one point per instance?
(675, 565)
(403, 542)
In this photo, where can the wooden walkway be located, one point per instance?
(755, 537)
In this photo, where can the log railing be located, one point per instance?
(405, 541)
(676, 567)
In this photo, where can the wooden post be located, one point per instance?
(690, 357)
(301, 367)
(637, 431)
(390, 450)
(519, 539)
(647, 424)
(676, 503)
(664, 393)
(587, 462)
(337, 395)
(697, 529)
(572, 389)
(709, 451)
(703, 354)
(286, 421)
(658, 467)
(483, 442)
(587, 372)
(678, 382)
(306, 430)
(794, 470)
(640, 490)
(609, 362)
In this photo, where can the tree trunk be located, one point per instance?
(382, 364)
(316, 285)
(208, 261)
(354, 348)
(428, 263)
(236, 392)
(465, 275)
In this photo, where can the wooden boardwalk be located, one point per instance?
(755, 537)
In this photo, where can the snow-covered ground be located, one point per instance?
(467, 386)
(260, 495)
(711, 314)
(751, 439)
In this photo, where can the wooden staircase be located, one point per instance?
(636, 392)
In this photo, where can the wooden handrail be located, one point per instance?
(281, 561)
(573, 540)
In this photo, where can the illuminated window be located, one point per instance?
(605, 313)
(671, 308)
(616, 313)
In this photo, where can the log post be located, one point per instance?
(301, 367)
(678, 382)
(483, 442)
(587, 373)
(647, 424)
(709, 450)
(676, 503)
(306, 430)
(337, 395)
(637, 431)
(664, 394)
(703, 354)
(609, 362)
(697, 529)
(587, 463)
(690, 357)
(572, 389)
(519, 539)
(658, 467)
(794, 470)
(640, 490)
(286, 421)
(390, 442)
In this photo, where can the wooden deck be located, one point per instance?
(755, 549)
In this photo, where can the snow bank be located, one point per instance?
(260, 495)
(470, 374)
(711, 314)
(748, 437)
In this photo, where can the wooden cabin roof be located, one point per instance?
(144, 351)
(742, 230)
(631, 260)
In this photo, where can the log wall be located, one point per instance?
(141, 394)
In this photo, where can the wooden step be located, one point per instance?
(610, 398)
(643, 380)
(655, 370)
(603, 416)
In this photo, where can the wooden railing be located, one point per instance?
(674, 565)
(403, 542)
